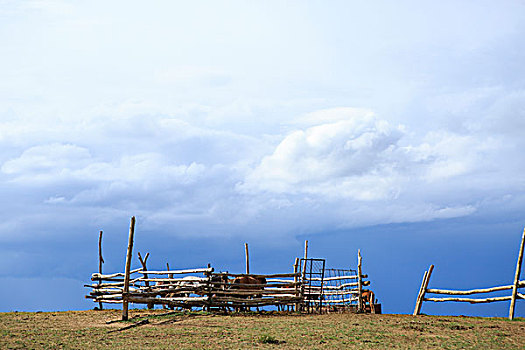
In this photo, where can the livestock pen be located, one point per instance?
(307, 288)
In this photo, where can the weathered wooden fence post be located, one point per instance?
(247, 258)
(303, 273)
(418, 301)
(516, 278)
(296, 279)
(144, 268)
(209, 288)
(100, 262)
(125, 292)
(170, 275)
(305, 249)
(360, 307)
(422, 290)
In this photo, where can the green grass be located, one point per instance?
(183, 330)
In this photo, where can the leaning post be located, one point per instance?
(418, 299)
(423, 290)
(125, 292)
(516, 278)
(100, 262)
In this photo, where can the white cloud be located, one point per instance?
(231, 122)
(350, 157)
(339, 167)
(374, 172)
(50, 158)
(333, 115)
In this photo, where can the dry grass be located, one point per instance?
(88, 329)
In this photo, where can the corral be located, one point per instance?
(309, 287)
(515, 286)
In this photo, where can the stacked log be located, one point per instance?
(209, 291)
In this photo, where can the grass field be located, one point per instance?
(152, 329)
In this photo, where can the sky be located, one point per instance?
(396, 129)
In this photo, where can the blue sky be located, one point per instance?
(394, 128)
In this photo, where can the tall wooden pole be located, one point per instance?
(305, 249)
(100, 262)
(516, 278)
(304, 261)
(303, 272)
(359, 282)
(247, 258)
(125, 292)
(296, 279)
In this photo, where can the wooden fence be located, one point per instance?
(183, 288)
(207, 289)
(515, 295)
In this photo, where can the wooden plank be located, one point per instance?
(336, 278)
(185, 299)
(287, 287)
(102, 285)
(347, 292)
(96, 276)
(181, 301)
(469, 292)
(110, 301)
(278, 280)
(127, 270)
(176, 280)
(339, 301)
(255, 301)
(517, 278)
(111, 291)
(347, 285)
(253, 292)
(179, 272)
(268, 285)
(255, 304)
(470, 300)
(275, 275)
(344, 286)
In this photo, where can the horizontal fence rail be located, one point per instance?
(473, 291)
(515, 295)
(216, 289)
(187, 290)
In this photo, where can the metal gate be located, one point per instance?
(312, 272)
(340, 289)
